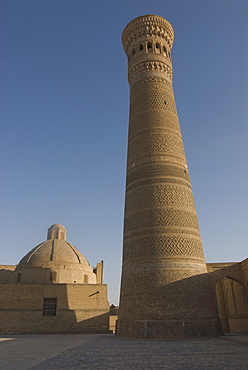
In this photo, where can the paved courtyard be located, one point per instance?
(86, 351)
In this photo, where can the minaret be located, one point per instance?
(165, 288)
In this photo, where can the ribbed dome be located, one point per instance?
(56, 261)
(54, 253)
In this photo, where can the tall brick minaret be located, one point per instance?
(165, 288)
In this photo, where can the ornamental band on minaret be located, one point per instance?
(165, 288)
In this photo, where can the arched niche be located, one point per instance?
(232, 304)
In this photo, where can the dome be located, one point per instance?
(54, 253)
(57, 258)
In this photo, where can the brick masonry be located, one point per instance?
(165, 288)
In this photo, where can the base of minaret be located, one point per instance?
(158, 304)
(169, 329)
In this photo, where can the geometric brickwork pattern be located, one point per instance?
(159, 195)
(152, 99)
(155, 142)
(172, 246)
(164, 274)
(147, 69)
(159, 120)
(162, 217)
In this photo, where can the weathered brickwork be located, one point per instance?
(142, 122)
(229, 284)
(152, 99)
(167, 218)
(158, 195)
(169, 305)
(80, 308)
(164, 245)
(158, 173)
(155, 143)
(165, 289)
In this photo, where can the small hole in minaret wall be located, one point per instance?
(165, 102)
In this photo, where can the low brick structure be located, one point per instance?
(53, 290)
(230, 287)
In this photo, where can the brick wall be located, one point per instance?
(80, 308)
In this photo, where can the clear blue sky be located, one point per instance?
(64, 121)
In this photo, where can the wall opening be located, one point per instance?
(149, 47)
(49, 306)
(232, 305)
(158, 47)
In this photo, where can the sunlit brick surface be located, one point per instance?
(165, 288)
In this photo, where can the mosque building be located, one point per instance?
(53, 289)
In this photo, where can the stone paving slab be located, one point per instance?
(21, 352)
(94, 351)
(109, 352)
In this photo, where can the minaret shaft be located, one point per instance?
(165, 289)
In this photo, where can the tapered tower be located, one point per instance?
(165, 288)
